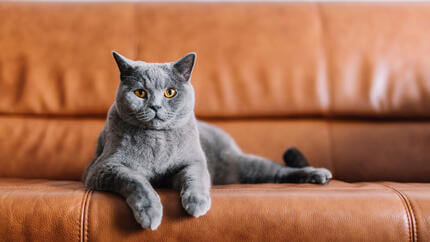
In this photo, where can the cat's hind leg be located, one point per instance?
(228, 164)
(255, 169)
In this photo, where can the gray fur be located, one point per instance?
(157, 142)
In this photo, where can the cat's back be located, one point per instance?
(214, 140)
(212, 135)
(217, 145)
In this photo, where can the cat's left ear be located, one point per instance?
(185, 65)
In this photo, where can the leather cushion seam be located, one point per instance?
(82, 216)
(86, 212)
(81, 211)
(408, 210)
(413, 214)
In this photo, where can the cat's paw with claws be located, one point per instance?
(147, 213)
(318, 175)
(196, 204)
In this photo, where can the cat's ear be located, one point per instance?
(124, 64)
(185, 65)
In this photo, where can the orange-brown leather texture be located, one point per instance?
(416, 198)
(56, 57)
(254, 59)
(47, 147)
(281, 212)
(372, 151)
(49, 210)
(40, 210)
(377, 58)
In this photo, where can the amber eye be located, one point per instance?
(140, 93)
(169, 93)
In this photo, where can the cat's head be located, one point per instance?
(155, 95)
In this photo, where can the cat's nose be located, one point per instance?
(155, 107)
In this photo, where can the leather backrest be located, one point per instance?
(322, 61)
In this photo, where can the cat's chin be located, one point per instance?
(156, 123)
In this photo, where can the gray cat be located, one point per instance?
(152, 139)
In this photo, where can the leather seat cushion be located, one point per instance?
(48, 209)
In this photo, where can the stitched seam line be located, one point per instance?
(86, 212)
(81, 217)
(412, 213)
(414, 220)
(409, 212)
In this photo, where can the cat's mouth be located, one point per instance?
(157, 117)
(151, 118)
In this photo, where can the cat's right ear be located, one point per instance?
(124, 64)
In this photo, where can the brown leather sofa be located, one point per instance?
(347, 83)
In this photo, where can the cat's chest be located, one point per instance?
(153, 148)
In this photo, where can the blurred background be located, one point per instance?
(347, 83)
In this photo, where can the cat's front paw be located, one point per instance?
(196, 204)
(146, 212)
(318, 175)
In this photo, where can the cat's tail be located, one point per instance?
(294, 158)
